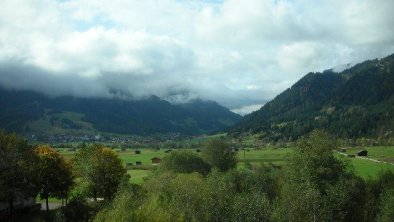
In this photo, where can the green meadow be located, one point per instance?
(276, 156)
(367, 168)
(382, 153)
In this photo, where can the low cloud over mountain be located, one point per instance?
(239, 53)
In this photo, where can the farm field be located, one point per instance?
(367, 168)
(382, 153)
(276, 156)
(256, 157)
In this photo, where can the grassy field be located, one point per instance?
(383, 153)
(145, 156)
(255, 157)
(276, 156)
(137, 176)
(367, 168)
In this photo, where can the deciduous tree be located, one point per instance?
(54, 173)
(101, 169)
(17, 174)
(218, 154)
(185, 162)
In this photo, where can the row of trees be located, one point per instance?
(313, 186)
(27, 171)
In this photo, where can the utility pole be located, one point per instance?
(244, 158)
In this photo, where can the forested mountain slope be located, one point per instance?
(356, 102)
(31, 112)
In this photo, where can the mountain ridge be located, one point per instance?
(29, 112)
(357, 102)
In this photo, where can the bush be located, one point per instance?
(218, 153)
(185, 162)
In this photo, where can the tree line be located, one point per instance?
(40, 171)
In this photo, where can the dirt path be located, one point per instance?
(366, 158)
(377, 161)
(51, 206)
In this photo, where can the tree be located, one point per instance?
(219, 154)
(185, 162)
(376, 189)
(317, 185)
(17, 164)
(54, 174)
(386, 213)
(101, 169)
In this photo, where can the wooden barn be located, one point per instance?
(362, 153)
(156, 160)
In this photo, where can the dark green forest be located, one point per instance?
(21, 109)
(357, 102)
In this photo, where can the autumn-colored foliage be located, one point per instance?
(54, 173)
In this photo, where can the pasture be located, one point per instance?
(367, 168)
(276, 156)
(382, 153)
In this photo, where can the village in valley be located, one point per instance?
(196, 111)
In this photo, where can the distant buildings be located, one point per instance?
(156, 160)
(362, 153)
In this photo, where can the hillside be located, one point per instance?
(28, 112)
(357, 102)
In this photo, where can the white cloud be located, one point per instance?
(239, 53)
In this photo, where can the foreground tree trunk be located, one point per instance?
(11, 206)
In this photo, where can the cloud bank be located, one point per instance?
(239, 53)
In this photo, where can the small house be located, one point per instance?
(137, 152)
(138, 163)
(362, 153)
(155, 160)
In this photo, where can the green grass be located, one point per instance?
(137, 176)
(383, 153)
(145, 157)
(129, 156)
(366, 168)
(276, 156)
(50, 200)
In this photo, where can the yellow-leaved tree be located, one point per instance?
(54, 174)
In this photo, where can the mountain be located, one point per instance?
(355, 102)
(28, 112)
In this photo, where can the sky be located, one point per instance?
(240, 53)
